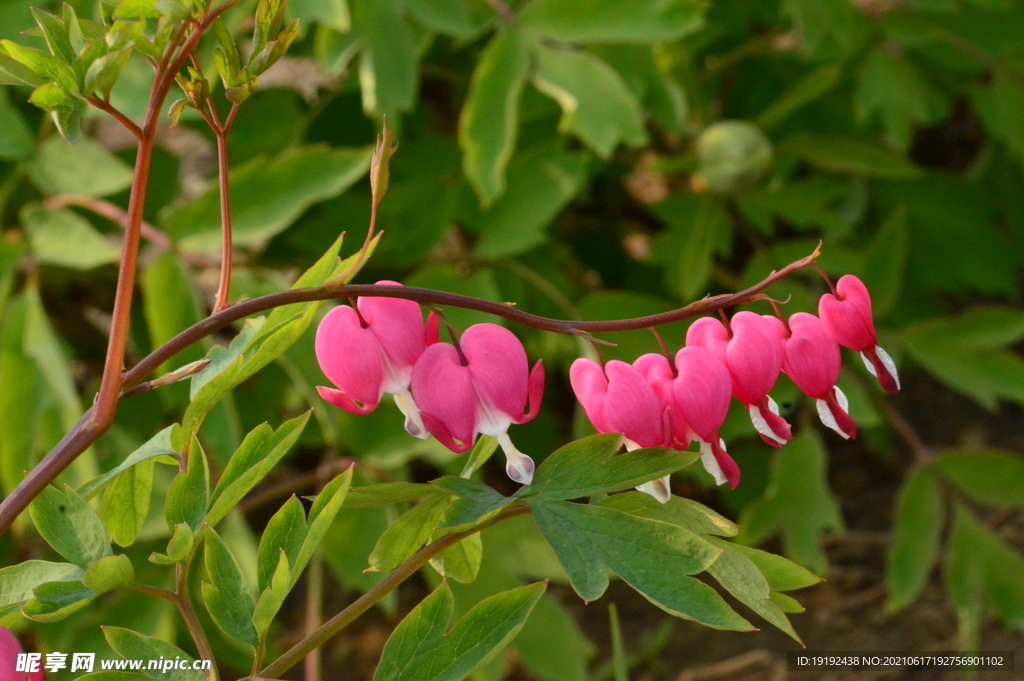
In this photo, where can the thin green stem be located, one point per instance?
(332, 626)
(188, 613)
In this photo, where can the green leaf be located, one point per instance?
(13, 72)
(885, 262)
(55, 601)
(188, 497)
(652, 556)
(17, 582)
(63, 238)
(740, 577)
(999, 105)
(596, 104)
(69, 525)
(588, 466)
(84, 168)
(104, 72)
(284, 534)
(490, 118)
(17, 141)
(125, 503)
(890, 88)
(272, 598)
(388, 64)
(541, 181)
(968, 352)
(595, 21)
(56, 35)
(158, 446)
(108, 573)
(698, 227)
(420, 648)
(333, 13)
(407, 534)
(482, 451)
(387, 493)
(850, 156)
(782, 574)
(828, 29)
(815, 84)
(267, 197)
(42, 64)
(179, 547)
(685, 513)
(259, 452)
(993, 477)
(452, 17)
(321, 515)
(132, 645)
(323, 270)
(460, 562)
(476, 500)
(227, 597)
(67, 110)
(170, 304)
(917, 525)
(797, 503)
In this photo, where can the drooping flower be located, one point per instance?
(752, 352)
(702, 391)
(482, 390)
(811, 358)
(618, 399)
(848, 320)
(658, 372)
(10, 649)
(370, 350)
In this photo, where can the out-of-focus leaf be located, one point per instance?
(1000, 105)
(266, 197)
(917, 524)
(388, 69)
(63, 238)
(83, 168)
(333, 13)
(885, 262)
(596, 104)
(490, 118)
(699, 227)
(596, 21)
(815, 203)
(797, 504)
(828, 29)
(968, 352)
(16, 142)
(815, 84)
(850, 155)
(993, 477)
(480, 284)
(891, 89)
(421, 648)
(170, 304)
(452, 17)
(66, 109)
(541, 182)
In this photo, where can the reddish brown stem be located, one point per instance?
(224, 288)
(121, 118)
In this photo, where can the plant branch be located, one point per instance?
(224, 287)
(188, 613)
(332, 626)
(88, 429)
(121, 118)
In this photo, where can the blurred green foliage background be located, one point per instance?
(592, 159)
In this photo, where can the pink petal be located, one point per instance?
(848, 318)
(443, 391)
(498, 364)
(431, 334)
(702, 390)
(753, 357)
(811, 356)
(9, 651)
(842, 418)
(342, 401)
(884, 371)
(397, 324)
(536, 392)
(591, 388)
(658, 372)
(350, 355)
(632, 408)
(708, 333)
(728, 465)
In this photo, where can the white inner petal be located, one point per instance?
(518, 466)
(868, 364)
(630, 445)
(707, 457)
(396, 379)
(841, 398)
(889, 364)
(659, 489)
(489, 420)
(825, 414)
(772, 405)
(761, 425)
(413, 421)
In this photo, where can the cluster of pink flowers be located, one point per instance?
(382, 345)
(482, 384)
(655, 404)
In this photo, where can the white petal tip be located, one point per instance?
(659, 489)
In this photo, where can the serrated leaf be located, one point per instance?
(588, 466)
(69, 525)
(652, 556)
(420, 648)
(489, 121)
(917, 524)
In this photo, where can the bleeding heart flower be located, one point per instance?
(10, 649)
(752, 352)
(658, 372)
(618, 399)
(372, 352)
(483, 390)
(811, 358)
(702, 391)
(847, 318)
